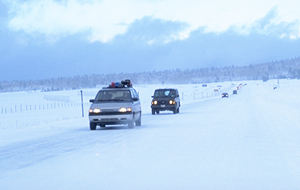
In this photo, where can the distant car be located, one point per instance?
(165, 100)
(274, 88)
(118, 103)
(225, 95)
(234, 92)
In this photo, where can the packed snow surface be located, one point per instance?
(247, 141)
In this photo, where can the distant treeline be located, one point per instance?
(289, 68)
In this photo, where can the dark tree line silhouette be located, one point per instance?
(289, 68)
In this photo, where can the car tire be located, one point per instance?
(153, 111)
(130, 124)
(175, 110)
(178, 110)
(157, 111)
(93, 126)
(102, 125)
(139, 121)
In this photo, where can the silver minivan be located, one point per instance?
(114, 105)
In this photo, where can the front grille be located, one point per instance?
(111, 113)
(110, 119)
(108, 110)
(163, 102)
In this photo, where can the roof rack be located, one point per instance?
(123, 84)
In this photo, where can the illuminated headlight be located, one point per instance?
(172, 102)
(95, 110)
(154, 102)
(123, 109)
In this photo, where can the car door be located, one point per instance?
(136, 104)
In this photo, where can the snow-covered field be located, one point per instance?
(247, 141)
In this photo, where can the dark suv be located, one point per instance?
(166, 99)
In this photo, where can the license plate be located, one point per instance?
(163, 106)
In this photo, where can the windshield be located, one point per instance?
(165, 93)
(113, 95)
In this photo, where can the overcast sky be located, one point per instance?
(59, 38)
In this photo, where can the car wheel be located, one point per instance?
(175, 111)
(139, 121)
(93, 126)
(102, 125)
(153, 111)
(131, 124)
(178, 110)
(157, 111)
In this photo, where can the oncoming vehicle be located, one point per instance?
(117, 104)
(234, 92)
(225, 95)
(165, 99)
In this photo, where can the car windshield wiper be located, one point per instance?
(111, 100)
(117, 100)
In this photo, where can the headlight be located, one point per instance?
(123, 109)
(95, 110)
(154, 102)
(171, 101)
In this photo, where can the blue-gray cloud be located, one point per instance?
(269, 26)
(152, 31)
(3, 10)
(131, 51)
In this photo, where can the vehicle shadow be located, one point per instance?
(113, 127)
(117, 127)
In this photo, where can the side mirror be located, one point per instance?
(92, 100)
(152, 96)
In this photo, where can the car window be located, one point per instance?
(173, 93)
(126, 96)
(165, 93)
(113, 95)
(134, 93)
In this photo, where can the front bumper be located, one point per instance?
(164, 107)
(112, 118)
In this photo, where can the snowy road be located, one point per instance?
(248, 141)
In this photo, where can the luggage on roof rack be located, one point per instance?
(124, 83)
(127, 82)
